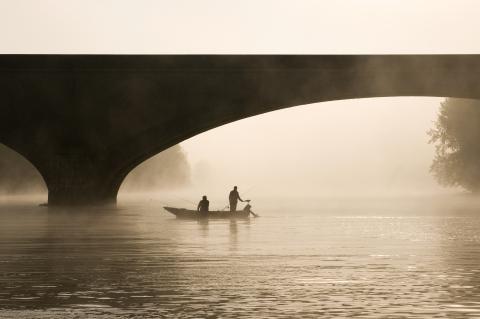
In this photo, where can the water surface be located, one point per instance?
(371, 258)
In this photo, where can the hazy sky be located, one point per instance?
(247, 26)
(371, 144)
(363, 147)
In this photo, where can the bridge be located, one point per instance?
(85, 121)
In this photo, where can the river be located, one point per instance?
(416, 257)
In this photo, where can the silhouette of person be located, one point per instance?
(233, 197)
(203, 205)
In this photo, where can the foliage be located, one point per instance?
(168, 169)
(456, 136)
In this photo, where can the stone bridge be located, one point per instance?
(85, 121)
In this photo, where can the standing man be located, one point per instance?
(233, 197)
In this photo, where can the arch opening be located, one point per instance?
(271, 147)
(20, 178)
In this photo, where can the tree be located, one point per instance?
(456, 136)
(168, 169)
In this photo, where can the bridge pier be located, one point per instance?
(75, 179)
(79, 194)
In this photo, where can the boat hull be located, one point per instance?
(216, 214)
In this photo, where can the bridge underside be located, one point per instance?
(85, 121)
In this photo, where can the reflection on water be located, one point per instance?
(338, 258)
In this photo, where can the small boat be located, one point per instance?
(193, 214)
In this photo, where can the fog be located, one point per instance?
(363, 147)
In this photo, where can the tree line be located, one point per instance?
(456, 136)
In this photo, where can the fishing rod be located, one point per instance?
(185, 200)
(248, 190)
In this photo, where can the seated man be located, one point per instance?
(203, 205)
